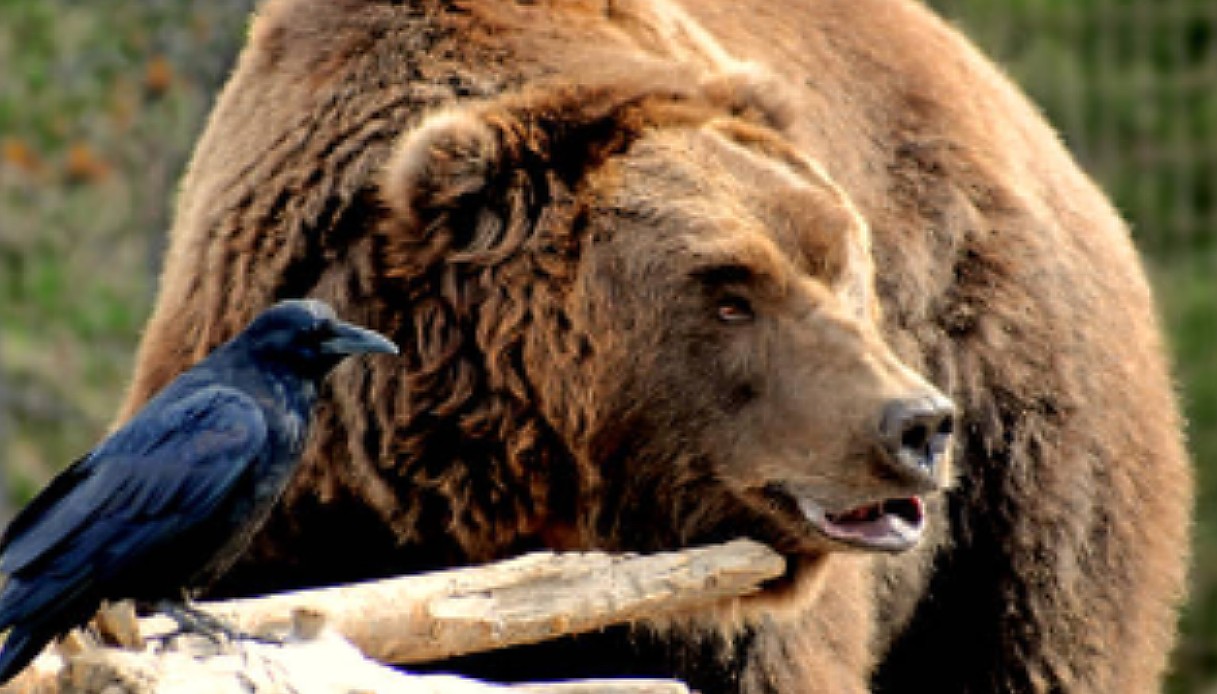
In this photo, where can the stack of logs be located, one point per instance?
(340, 639)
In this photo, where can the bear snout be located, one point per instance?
(915, 433)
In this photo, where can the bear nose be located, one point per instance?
(916, 433)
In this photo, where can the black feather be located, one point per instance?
(170, 500)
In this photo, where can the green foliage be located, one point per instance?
(1187, 286)
(1130, 85)
(99, 107)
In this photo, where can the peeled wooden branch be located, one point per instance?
(536, 597)
(439, 615)
(325, 664)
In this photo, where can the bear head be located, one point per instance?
(634, 317)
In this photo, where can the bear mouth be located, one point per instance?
(891, 525)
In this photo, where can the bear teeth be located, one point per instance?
(892, 525)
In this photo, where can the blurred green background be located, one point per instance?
(100, 104)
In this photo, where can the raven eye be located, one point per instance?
(734, 310)
(318, 333)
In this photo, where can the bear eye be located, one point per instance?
(734, 310)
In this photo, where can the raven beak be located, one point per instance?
(351, 339)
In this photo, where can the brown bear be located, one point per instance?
(668, 272)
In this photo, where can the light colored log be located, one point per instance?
(414, 619)
(325, 664)
(313, 659)
(525, 600)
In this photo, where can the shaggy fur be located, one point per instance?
(563, 210)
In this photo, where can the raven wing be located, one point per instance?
(52, 494)
(173, 463)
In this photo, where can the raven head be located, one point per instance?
(306, 336)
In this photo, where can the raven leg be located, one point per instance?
(192, 620)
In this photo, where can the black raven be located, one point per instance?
(167, 502)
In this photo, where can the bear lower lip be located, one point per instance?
(894, 525)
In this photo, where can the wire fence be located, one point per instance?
(1132, 86)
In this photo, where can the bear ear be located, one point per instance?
(752, 92)
(446, 160)
(477, 153)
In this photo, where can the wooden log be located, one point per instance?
(540, 596)
(323, 664)
(421, 618)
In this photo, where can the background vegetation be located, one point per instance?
(99, 107)
(100, 104)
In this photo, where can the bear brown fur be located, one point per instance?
(658, 268)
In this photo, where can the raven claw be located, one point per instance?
(194, 621)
